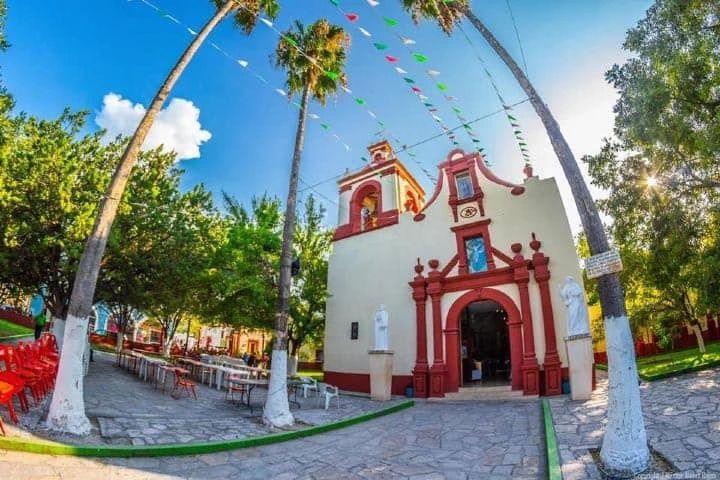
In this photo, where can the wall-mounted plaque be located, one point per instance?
(354, 331)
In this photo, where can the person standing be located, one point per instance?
(40, 321)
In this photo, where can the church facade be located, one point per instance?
(469, 278)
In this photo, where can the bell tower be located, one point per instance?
(376, 195)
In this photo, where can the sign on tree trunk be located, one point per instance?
(603, 264)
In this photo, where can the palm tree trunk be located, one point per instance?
(624, 448)
(67, 409)
(277, 408)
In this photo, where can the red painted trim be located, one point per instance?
(516, 189)
(360, 382)
(366, 171)
(388, 171)
(438, 188)
(453, 325)
(502, 256)
(448, 268)
(463, 232)
(345, 188)
(499, 276)
(354, 226)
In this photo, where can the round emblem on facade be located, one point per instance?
(468, 212)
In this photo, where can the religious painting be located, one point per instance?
(475, 250)
(464, 185)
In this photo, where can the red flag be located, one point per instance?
(391, 59)
(416, 90)
(352, 17)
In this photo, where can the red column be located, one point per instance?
(551, 365)
(452, 350)
(437, 371)
(420, 372)
(530, 369)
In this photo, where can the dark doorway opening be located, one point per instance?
(484, 345)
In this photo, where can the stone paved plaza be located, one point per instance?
(126, 410)
(682, 418)
(429, 441)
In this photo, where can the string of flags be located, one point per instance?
(245, 65)
(509, 112)
(434, 75)
(395, 63)
(360, 101)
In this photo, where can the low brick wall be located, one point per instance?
(110, 339)
(17, 318)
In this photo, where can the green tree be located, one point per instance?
(623, 451)
(314, 60)
(313, 243)
(242, 279)
(67, 412)
(669, 101)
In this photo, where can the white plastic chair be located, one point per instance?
(328, 392)
(309, 384)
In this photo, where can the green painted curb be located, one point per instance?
(553, 456)
(52, 448)
(13, 337)
(674, 373)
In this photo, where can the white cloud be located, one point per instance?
(177, 127)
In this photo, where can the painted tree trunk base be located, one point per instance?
(58, 329)
(624, 449)
(67, 408)
(119, 341)
(86, 357)
(277, 407)
(292, 368)
(699, 337)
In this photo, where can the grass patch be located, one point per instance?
(553, 455)
(10, 330)
(664, 365)
(318, 375)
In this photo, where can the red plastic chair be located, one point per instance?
(28, 359)
(183, 382)
(33, 381)
(6, 395)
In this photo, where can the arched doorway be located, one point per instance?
(453, 350)
(485, 344)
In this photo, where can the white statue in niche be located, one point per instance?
(573, 297)
(381, 329)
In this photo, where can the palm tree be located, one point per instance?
(318, 76)
(67, 409)
(624, 448)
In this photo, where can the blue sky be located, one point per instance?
(74, 53)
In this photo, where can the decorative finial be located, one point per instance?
(535, 243)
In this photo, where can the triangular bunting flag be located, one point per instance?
(243, 63)
(346, 89)
(266, 22)
(281, 92)
(433, 73)
(364, 159)
(416, 90)
(352, 17)
(423, 97)
(390, 22)
(380, 46)
(192, 32)
(420, 57)
(364, 32)
(314, 116)
(335, 2)
(325, 126)
(347, 147)
(408, 80)
(371, 114)
(360, 101)
(400, 70)
(408, 41)
(456, 110)
(442, 87)
(373, 3)
(391, 59)
(512, 118)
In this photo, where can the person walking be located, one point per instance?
(40, 321)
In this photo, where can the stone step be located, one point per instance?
(496, 393)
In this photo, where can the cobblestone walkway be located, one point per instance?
(125, 410)
(682, 417)
(431, 441)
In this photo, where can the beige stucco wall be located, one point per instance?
(375, 267)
